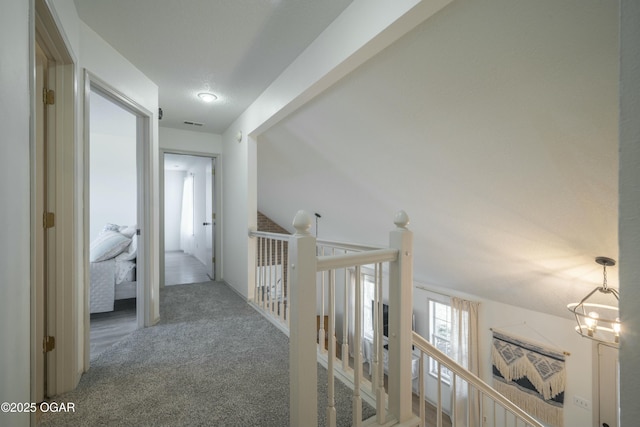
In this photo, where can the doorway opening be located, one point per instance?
(113, 218)
(608, 386)
(117, 212)
(189, 219)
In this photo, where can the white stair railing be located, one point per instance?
(293, 270)
(271, 284)
(305, 265)
(492, 409)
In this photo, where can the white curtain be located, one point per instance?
(186, 222)
(464, 346)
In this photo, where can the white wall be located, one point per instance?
(187, 141)
(15, 214)
(113, 182)
(113, 168)
(103, 61)
(629, 222)
(347, 43)
(173, 186)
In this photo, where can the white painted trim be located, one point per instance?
(347, 46)
(144, 292)
(63, 364)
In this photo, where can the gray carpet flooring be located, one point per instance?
(211, 361)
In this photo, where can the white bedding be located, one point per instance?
(113, 266)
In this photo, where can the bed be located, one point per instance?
(112, 267)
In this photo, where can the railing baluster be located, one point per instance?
(494, 413)
(468, 402)
(321, 332)
(264, 274)
(357, 353)
(345, 321)
(261, 269)
(375, 313)
(439, 412)
(256, 295)
(504, 415)
(379, 355)
(287, 289)
(270, 258)
(421, 400)
(278, 280)
(331, 408)
(454, 400)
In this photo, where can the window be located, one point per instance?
(440, 335)
(368, 292)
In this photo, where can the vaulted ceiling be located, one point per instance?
(493, 124)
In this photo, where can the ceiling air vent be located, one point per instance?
(187, 122)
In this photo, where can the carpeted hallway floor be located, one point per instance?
(211, 361)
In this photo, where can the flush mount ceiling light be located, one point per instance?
(596, 321)
(207, 96)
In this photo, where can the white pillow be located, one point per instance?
(110, 227)
(131, 252)
(128, 230)
(107, 245)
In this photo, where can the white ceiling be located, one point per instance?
(493, 124)
(234, 48)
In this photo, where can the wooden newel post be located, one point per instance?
(400, 320)
(303, 376)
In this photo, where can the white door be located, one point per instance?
(210, 220)
(40, 200)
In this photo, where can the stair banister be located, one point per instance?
(400, 319)
(485, 389)
(303, 376)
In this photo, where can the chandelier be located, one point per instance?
(597, 321)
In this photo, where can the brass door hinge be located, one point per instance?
(48, 220)
(213, 216)
(48, 344)
(48, 96)
(213, 260)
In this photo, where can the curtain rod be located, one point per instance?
(432, 291)
(566, 353)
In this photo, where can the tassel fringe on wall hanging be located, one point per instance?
(531, 376)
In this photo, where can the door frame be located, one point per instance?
(93, 83)
(63, 367)
(217, 208)
(606, 376)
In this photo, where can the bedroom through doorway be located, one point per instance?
(189, 219)
(113, 222)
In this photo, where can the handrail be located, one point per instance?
(356, 247)
(277, 236)
(355, 259)
(422, 344)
